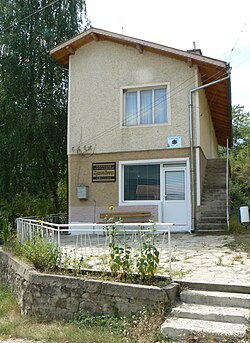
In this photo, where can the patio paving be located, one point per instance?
(207, 259)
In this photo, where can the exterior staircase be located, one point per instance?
(222, 314)
(213, 211)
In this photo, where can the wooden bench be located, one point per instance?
(127, 217)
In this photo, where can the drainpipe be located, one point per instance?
(193, 223)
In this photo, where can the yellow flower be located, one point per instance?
(111, 207)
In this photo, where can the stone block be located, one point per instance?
(172, 291)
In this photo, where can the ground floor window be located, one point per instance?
(142, 182)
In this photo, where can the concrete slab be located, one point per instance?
(207, 259)
(216, 298)
(177, 328)
(212, 313)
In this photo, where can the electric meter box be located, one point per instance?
(82, 192)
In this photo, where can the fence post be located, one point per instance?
(169, 254)
(58, 236)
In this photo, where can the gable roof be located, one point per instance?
(218, 95)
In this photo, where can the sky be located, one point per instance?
(220, 28)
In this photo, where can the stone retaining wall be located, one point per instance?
(59, 296)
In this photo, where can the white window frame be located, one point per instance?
(137, 89)
(161, 162)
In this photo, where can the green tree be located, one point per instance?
(240, 158)
(33, 95)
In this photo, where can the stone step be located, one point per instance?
(213, 219)
(211, 171)
(214, 186)
(216, 298)
(211, 205)
(213, 213)
(217, 160)
(215, 193)
(215, 203)
(216, 167)
(215, 287)
(209, 232)
(211, 188)
(216, 164)
(215, 171)
(213, 196)
(212, 226)
(177, 328)
(213, 313)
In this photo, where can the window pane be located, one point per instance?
(131, 108)
(175, 185)
(160, 105)
(146, 107)
(142, 182)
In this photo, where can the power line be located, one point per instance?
(238, 38)
(30, 15)
(112, 128)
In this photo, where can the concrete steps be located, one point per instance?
(213, 202)
(208, 312)
(212, 313)
(209, 219)
(213, 226)
(216, 298)
(178, 328)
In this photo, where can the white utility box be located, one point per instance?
(244, 215)
(82, 192)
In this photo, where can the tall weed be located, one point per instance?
(44, 255)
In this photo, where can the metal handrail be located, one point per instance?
(227, 187)
(25, 224)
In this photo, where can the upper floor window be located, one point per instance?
(145, 106)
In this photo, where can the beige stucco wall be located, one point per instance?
(208, 141)
(97, 73)
(106, 193)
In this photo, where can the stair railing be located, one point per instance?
(227, 187)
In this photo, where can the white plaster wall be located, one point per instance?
(208, 140)
(97, 73)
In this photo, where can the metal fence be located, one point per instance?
(90, 241)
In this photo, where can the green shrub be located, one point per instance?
(5, 230)
(44, 255)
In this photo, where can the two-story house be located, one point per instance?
(144, 125)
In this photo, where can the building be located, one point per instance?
(144, 125)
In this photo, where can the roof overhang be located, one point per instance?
(218, 95)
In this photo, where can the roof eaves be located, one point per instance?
(150, 45)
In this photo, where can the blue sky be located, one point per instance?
(220, 28)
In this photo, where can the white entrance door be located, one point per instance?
(175, 196)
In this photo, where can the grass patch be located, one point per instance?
(235, 226)
(241, 236)
(207, 338)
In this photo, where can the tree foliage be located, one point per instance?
(33, 95)
(240, 158)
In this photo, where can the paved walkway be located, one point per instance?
(209, 259)
(194, 258)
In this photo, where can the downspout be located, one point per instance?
(193, 210)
